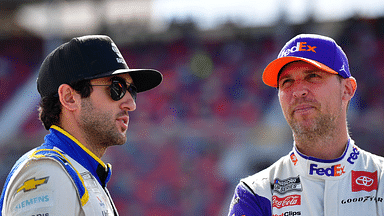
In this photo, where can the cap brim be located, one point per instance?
(144, 79)
(272, 70)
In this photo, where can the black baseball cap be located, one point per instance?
(89, 57)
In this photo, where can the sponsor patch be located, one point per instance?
(288, 213)
(291, 200)
(286, 185)
(33, 202)
(293, 158)
(335, 170)
(31, 184)
(362, 199)
(364, 181)
(353, 156)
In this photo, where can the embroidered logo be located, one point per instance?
(37, 202)
(336, 170)
(32, 184)
(120, 58)
(288, 213)
(291, 200)
(300, 46)
(362, 180)
(343, 69)
(353, 156)
(293, 158)
(286, 185)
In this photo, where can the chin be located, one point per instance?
(122, 139)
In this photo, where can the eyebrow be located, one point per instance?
(305, 72)
(121, 79)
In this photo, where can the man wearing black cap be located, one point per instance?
(87, 91)
(325, 173)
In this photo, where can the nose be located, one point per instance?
(300, 90)
(300, 93)
(128, 103)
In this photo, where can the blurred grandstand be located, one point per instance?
(211, 122)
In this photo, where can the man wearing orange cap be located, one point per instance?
(325, 173)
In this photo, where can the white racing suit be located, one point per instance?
(300, 185)
(61, 177)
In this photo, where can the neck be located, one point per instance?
(73, 129)
(327, 147)
(99, 151)
(324, 137)
(322, 149)
(69, 135)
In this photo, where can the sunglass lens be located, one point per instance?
(117, 90)
(133, 91)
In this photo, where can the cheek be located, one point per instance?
(284, 102)
(283, 98)
(336, 103)
(331, 98)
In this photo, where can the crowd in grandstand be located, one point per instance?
(211, 122)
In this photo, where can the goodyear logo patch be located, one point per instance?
(32, 184)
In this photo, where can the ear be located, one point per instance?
(349, 88)
(68, 97)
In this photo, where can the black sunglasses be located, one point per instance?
(118, 89)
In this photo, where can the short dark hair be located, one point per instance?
(50, 106)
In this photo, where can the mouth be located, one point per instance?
(123, 121)
(303, 109)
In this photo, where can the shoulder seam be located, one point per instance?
(248, 187)
(70, 169)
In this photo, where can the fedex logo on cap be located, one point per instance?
(300, 46)
(336, 170)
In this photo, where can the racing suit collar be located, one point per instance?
(325, 169)
(72, 147)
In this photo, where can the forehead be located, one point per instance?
(297, 67)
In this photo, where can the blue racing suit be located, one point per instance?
(61, 177)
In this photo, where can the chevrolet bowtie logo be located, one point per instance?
(32, 184)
